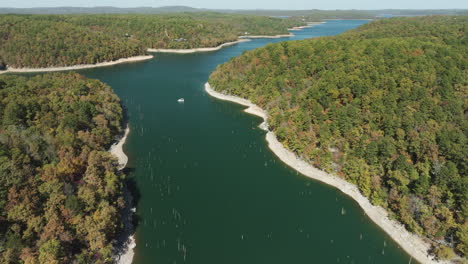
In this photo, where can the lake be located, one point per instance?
(209, 189)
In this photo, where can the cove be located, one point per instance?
(210, 190)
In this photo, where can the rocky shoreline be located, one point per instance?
(413, 244)
(126, 240)
(78, 67)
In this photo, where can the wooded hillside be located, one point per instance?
(60, 191)
(383, 106)
(36, 41)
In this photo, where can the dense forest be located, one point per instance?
(383, 106)
(35, 41)
(60, 191)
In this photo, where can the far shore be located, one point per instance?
(413, 244)
(334, 19)
(148, 57)
(266, 36)
(241, 39)
(78, 67)
(309, 25)
(185, 51)
(126, 239)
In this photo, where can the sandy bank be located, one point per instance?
(265, 36)
(127, 257)
(185, 51)
(411, 243)
(79, 67)
(126, 240)
(309, 25)
(117, 150)
(335, 19)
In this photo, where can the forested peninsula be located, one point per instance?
(41, 41)
(383, 107)
(60, 189)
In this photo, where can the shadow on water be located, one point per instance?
(130, 219)
(125, 116)
(132, 187)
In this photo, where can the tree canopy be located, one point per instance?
(60, 190)
(383, 106)
(35, 41)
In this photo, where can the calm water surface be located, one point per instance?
(211, 192)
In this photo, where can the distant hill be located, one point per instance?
(98, 10)
(324, 14)
(348, 13)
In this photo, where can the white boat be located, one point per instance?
(181, 100)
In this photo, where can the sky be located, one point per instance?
(250, 4)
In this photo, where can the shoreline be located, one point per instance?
(267, 37)
(335, 19)
(186, 51)
(148, 57)
(412, 244)
(309, 25)
(240, 40)
(126, 237)
(116, 149)
(79, 67)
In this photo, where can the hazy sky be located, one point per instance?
(250, 4)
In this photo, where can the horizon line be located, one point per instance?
(233, 9)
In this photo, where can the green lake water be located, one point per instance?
(209, 189)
